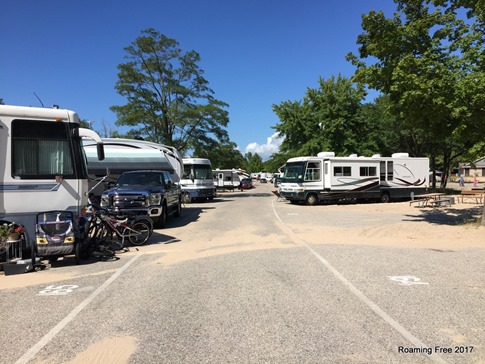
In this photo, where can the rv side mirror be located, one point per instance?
(100, 150)
(192, 177)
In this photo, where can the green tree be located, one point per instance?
(276, 161)
(254, 162)
(430, 62)
(1, 101)
(168, 99)
(84, 123)
(387, 134)
(223, 156)
(327, 119)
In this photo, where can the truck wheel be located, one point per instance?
(312, 199)
(77, 252)
(178, 211)
(162, 219)
(385, 198)
(33, 255)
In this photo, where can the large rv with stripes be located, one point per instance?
(314, 180)
(42, 164)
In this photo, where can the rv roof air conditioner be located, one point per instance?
(376, 156)
(326, 154)
(400, 155)
(353, 156)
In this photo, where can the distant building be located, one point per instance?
(471, 170)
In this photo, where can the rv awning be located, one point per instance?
(119, 160)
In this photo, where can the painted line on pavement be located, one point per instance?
(359, 294)
(30, 354)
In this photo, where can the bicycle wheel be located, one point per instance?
(139, 232)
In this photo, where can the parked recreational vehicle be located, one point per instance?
(227, 179)
(41, 165)
(197, 178)
(326, 177)
(130, 155)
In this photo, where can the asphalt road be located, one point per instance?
(232, 282)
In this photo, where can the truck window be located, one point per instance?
(167, 178)
(41, 149)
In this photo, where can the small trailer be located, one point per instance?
(226, 179)
(328, 178)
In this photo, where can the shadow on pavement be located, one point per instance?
(447, 216)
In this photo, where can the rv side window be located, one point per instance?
(341, 171)
(387, 171)
(312, 172)
(41, 150)
(368, 171)
(187, 172)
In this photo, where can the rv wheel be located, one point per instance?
(385, 198)
(312, 199)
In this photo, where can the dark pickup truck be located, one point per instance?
(149, 192)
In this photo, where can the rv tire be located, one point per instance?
(385, 197)
(312, 199)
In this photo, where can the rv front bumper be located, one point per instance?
(201, 192)
(293, 194)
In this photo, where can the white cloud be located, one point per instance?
(265, 150)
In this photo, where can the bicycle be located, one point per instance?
(105, 232)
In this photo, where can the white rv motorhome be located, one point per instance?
(42, 166)
(326, 177)
(197, 178)
(123, 155)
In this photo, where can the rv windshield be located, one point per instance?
(197, 171)
(294, 171)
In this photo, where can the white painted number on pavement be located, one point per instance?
(406, 280)
(57, 290)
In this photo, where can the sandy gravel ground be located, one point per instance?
(392, 224)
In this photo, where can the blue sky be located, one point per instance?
(255, 53)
